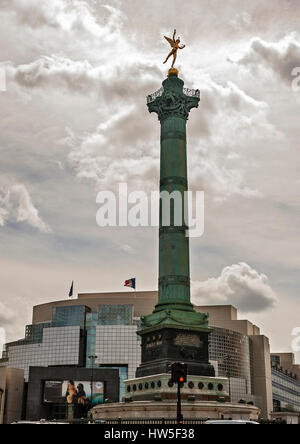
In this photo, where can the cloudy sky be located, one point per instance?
(74, 121)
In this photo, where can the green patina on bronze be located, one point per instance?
(174, 309)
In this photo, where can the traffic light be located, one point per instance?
(179, 419)
(178, 372)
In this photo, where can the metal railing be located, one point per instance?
(191, 92)
(154, 421)
(153, 96)
(186, 91)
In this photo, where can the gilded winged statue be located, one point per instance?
(175, 46)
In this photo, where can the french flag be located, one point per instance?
(130, 283)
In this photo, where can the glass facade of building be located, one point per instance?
(76, 334)
(118, 345)
(91, 323)
(231, 354)
(59, 346)
(110, 335)
(34, 333)
(109, 332)
(286, 392)
(115, 314)
(69, 316)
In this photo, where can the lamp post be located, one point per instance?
(1, 394)
(92, 358)
(228, 359)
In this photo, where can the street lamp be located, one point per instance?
(227, 360)
(92, 358)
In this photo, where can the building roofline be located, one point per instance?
(82, 296)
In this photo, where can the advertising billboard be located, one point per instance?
(73, 392)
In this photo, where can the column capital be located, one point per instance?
(173, 100)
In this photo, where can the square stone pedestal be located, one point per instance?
(163, 346)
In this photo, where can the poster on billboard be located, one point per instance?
(73, 392)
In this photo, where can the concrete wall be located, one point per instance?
(225, 316)
(219, 312)
(37, 410)
(12, 383)
(262, 377)
(2, 394)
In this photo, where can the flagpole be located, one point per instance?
(71, 292)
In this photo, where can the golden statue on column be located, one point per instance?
(175, 44)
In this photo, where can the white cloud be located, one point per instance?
(228, 122)
(3, 204)
(231, 125)
(3, 214)
(26, 211)
(240, 21)
(126, 248)
(55, 71)
(76, 28)
(230, 117)
(65, 15)
(112, 82)
(238, 285)
(16, 204)
(222, 181)
(108, 157)
(280, 57)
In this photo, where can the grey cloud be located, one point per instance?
(281, 56)
(239, 285)
(56, 72)
(126, 82)
(6, 315)
(61, 27)
(112, 153)
(4, 201)
(232, 118)
(33, 13)
(77, 16)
